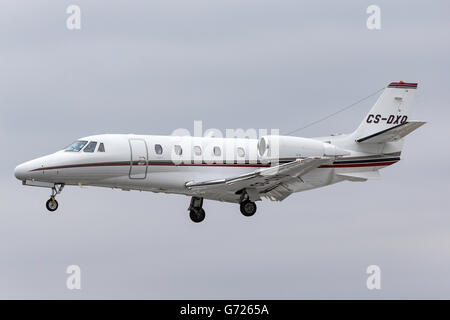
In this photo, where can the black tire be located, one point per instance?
(51, 205)
(197, 215)
(248, 208)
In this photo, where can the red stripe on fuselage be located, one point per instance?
(350, 165)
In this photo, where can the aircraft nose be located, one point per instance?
(30, 170)
(20, 171)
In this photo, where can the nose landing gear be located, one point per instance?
(51, 203)
(196, 212)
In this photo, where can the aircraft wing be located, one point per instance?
(271, 182)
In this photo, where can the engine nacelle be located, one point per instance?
(276, 147)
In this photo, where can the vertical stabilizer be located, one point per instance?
(391, 109)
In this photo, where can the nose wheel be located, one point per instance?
(196, 212)
(51, 203)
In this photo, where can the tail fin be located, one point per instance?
(392, 109)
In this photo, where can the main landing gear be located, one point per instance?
(248, 208)
(196, 212)
(51, 203)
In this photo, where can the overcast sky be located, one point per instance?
(155, 66)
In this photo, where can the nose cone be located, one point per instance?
(33, 169)
(21, 171)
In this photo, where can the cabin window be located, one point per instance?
(90, 147)
(76, 146)
(197, 151)
(178, 150)
(158, 149)
(240, 152)
(217, 152)
(101, 148)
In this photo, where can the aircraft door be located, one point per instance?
(139, 159)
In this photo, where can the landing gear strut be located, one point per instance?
(51, 203)
(196, 212)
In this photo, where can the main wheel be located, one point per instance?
(51, 204)
(248, 208)
(197, 215)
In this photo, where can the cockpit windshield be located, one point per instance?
(76, 146)
(90, 147)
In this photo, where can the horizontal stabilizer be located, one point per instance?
(392, 134)
(360, 176)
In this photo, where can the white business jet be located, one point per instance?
(237, 170)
